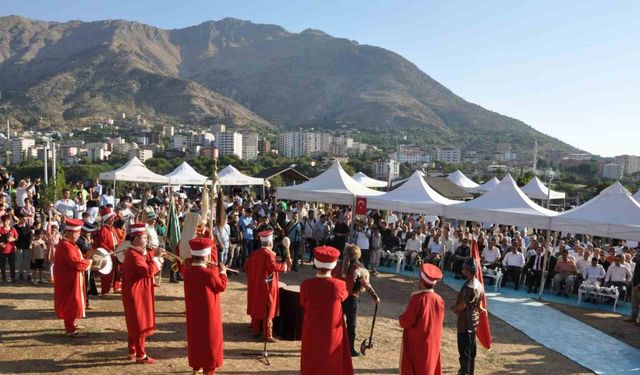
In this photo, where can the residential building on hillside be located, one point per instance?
(411, 155)
(293, 144)
(264, 146)
(250, 145)
(123, 148)
(583, 157)
(386, 169)
(229, 143)
(209, 152)
(21, 149)
(612, 171)
(179, 141)
(218, 128)
(630, 163)
(448, 155)
(96, 153)
(142, 154)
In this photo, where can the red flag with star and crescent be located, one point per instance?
(361, 206)
(483, 332)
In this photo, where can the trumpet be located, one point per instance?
(176, 260)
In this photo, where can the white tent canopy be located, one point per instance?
(134, 171)
(332, 186)
(414, 196)
(636, 196)
(535, 189)
(613, 213)
(184, 174)
(463, 181)
(368, 181)
(487, 186)
(505, 204)
(231, 176)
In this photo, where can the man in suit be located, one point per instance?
(534, 270)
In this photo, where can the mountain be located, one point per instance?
(239, 72)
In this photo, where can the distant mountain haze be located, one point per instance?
(236, 72)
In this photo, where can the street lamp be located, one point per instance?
(550, 174)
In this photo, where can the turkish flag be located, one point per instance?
(361, 206)
(483, 332)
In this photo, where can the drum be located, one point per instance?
(102, 262)
(120, 250)
(291, 313)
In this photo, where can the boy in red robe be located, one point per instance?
(108, 240)
(68, 290)
(202, 288)
(137, 293)
(325, 342)
(422, 322)
(262, 286)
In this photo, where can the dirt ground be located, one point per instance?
(32, 340)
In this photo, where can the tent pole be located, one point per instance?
(545, 261)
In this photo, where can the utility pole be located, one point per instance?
(46, 163)
(53, 161)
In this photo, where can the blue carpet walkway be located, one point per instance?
(555, 330)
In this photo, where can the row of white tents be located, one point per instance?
(135, 171)
(614, 213)
(535, 189)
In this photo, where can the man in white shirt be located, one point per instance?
(107, 198)
(581, 264)
(66, 206)
(513, 263)
(435, 250)
(491, 255)
(618, 276)
(594, 273)
(392, 218)
(411, 250)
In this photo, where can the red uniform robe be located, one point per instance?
(325, 342)
(108, 237)
(202, 288)
(68, 290)
(137, 293)
(258, 267)
(422, 322)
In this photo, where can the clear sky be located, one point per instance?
(570, 69)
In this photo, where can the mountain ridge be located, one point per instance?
(240, 72)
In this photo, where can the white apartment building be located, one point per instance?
(203, 139)
(612, 171)
(629, 163)
(229, 143)
(249, 145)
(411, 156)
(96, 153)
(448, 155)
(179, 141)
(142, 154)
(20, 148)
(381, 169)
(293, 144)
(123, 148)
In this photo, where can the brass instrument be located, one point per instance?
(176, 260)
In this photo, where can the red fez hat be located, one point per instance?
(73, 225)
(106, 213)
(201, 246)
(137, 229)
(326, 257)
(266, 235)
(429, 274)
